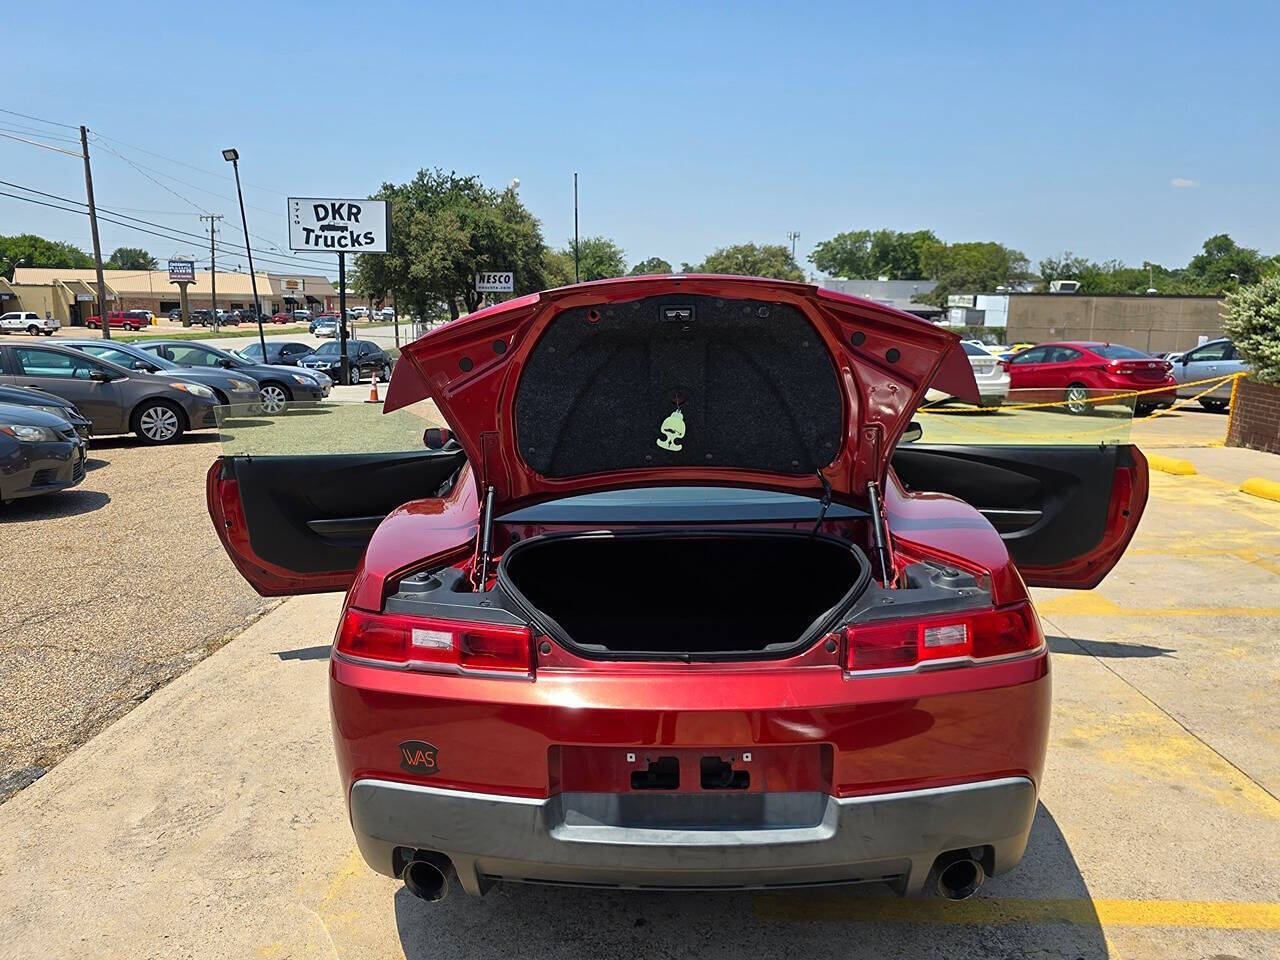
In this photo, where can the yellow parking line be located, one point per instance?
(1217, 915)
(1091, 604)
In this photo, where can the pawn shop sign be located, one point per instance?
(326, 225)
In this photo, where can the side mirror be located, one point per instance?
(913, 432)
(224, 363)
(1184, 359)
(434, 438)
(99, 376)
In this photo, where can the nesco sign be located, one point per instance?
(496, 281)
(339, 226)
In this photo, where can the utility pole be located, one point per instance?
(575, 226)
(793, 236)
(103, 313)
(213, 268)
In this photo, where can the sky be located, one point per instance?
(1131, 131)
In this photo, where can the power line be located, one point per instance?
(231, 252)
(32, 131)
(162, 226)
(27, 116)
(47, 146)
(181, 163)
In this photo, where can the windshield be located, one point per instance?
(331, 349)
(251, 353)
(973, 351)
(1118, 351)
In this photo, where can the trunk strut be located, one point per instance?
(484, 548)
(880, 534)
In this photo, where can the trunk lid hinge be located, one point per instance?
(484, 542)
(880, 535)
(824, 505)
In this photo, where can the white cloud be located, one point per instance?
(1181, 183)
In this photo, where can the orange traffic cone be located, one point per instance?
(373, 389)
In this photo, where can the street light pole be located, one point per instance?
(233, 156)
(575, 226)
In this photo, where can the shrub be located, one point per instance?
(1252, 321)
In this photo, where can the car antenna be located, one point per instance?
(825, 503)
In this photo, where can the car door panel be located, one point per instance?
(1065, 513)
(300, 524)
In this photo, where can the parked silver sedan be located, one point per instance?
(159, 408)
(1217, 358)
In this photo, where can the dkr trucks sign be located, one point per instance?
(339, 226)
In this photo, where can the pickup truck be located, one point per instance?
(126, 320)
(32, 323)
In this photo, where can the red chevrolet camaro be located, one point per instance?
(672, 604)
(1076, 372)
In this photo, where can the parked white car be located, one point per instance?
(989, 373)
(24, 321)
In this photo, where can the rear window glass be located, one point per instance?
(1118, 351)
(679, 380)
(973, 351)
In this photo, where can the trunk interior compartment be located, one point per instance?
(684, 595)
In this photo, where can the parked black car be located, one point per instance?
(175, 314)
(363, 357)
(41, 400)
(277, 385)
(39, 453)
(287, 353)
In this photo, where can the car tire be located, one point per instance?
(273, 396)
(48, 333)
(1214, 406)
(1076, 399)
(158, 422)
(129, 326)
(353, 375)
(33, 330)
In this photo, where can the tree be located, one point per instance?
(652, 266)
(1252, 321)
(34, 251)
(558, 266)
(446, 229)
(130, 258)
(598, 258)
(751, 260)
(1224, 265)
(867, 254)
(973, 268)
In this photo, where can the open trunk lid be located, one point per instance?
(648, 381)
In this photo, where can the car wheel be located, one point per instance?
(48, 333)
(129, 326)
(157, 421)
(353, 375)
(1077, 398)
(33, 330)
(273, 397)
(1214, 406)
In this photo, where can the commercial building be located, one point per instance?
(900, 294)
(71, 295)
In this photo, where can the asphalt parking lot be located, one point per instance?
(209, 820)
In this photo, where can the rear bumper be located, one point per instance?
(644, 841)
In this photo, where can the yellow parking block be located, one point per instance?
(1259, 487)
(1179, 468)
(980, 911)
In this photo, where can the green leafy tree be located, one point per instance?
(651, 267)
(974, 268)
(130, 258)
(558, 266)
(1252, 321)
(1224, 265)
(868, 254)
(751, 260)
(34, 251)
(598, 258)
(445, 230)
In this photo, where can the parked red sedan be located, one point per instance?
(282, 318)
(673, 608)
(1074, 372)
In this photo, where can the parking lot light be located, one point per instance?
(232, 156)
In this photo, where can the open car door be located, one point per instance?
(296, 498)
(1066, 513)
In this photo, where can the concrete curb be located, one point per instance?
(1179, 468)
(1259, 487)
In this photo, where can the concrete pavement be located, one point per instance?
(209, 822)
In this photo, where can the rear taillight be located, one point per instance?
(423, 643)
(975, 636)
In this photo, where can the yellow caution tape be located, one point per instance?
(1216, 381)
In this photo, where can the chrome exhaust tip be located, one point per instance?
(427, 875)
(959, 876)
